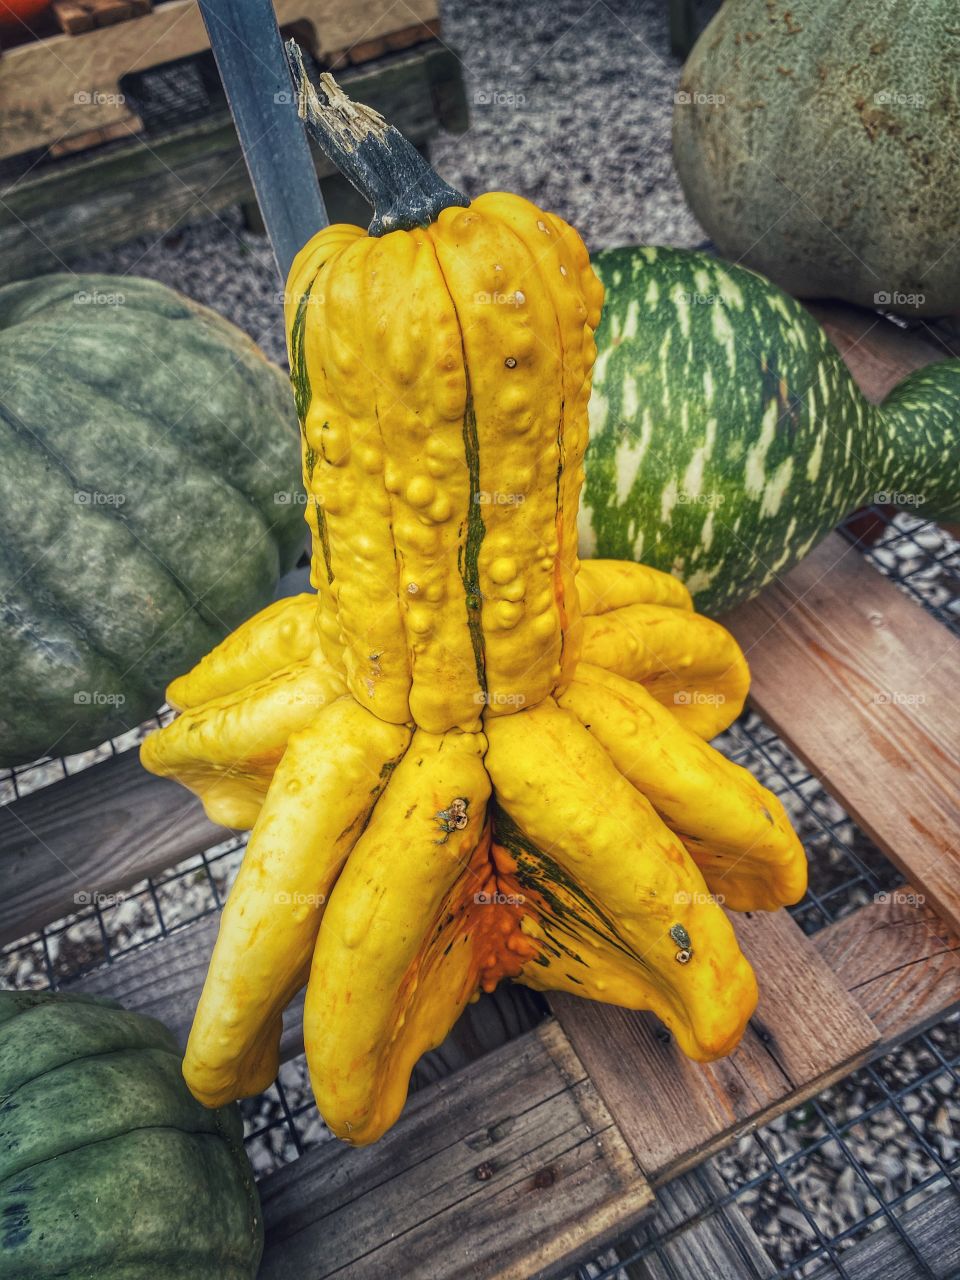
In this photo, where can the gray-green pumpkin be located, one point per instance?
(149, 500)
(109, 1169)
(818, 143)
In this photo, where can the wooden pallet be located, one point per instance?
(70, 84)
(77, 16)
(136, 187)
(533, 1137)
(64, 192)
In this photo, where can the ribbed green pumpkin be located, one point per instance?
(727, 436)
(109, 1169)
(149, 500)
(817, 143)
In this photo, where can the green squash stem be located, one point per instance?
(387, 170)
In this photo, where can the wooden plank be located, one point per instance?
(98, 831)
(869, 706)
(899, 964)
(163, 979)
(673, 1112)
(407, 37)
(38, 81)
(73, 17)
(367, 50)
(80, 205)
(934, 1228)
(107, 13)
(510, 1168)
(898, 959)
(404, 38)
(695, 1238)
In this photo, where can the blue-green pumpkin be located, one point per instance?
(109, 1168)
(149, 500)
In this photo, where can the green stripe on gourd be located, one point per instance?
(727, 437)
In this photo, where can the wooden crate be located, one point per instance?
(109, 181)
(533, 1140)
(66, 85)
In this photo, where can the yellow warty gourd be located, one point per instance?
(465, 756)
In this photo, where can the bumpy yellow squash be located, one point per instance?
(465, 756)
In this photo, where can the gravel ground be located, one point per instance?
(571, 106)
(924, 560)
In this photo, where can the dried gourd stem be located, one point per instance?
(349, 121)
(387, 170)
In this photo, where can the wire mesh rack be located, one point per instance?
(846, 1185)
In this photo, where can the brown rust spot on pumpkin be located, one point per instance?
(876, 120)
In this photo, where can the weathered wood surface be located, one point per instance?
(96, 832)
(510, 1169)
(862, 685)
(898, 960)
(895, 957)
(39, 81)
(147, 188)
(827, 1003)
(695, 1238)
(163, 980)
(934, 1228)
(674, 1112)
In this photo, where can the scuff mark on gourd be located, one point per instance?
(453, 818)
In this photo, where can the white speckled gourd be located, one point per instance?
(727, 436)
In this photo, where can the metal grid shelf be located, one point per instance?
(818, 1144)
(809, 1185)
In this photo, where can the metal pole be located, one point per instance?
(253, 67)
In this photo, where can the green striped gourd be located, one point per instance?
(727, 437)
